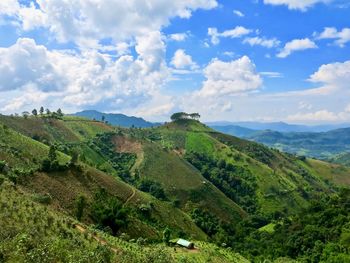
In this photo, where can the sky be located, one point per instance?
(233, 60)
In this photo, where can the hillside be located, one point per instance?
(134, 183)
(342, 158)
(116, 119)
(318, 145)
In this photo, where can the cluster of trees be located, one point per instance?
(51, 162)
(320, 233)
(44, 112)
(121, 162)
(184, 116)
(154, 188)
(235, 181)
(108, 212)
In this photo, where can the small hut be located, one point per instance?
(184, 243)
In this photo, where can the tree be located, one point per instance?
(25, 114)
(75, 157)
(52, 153)
(166, 235)
(183, 116)
(103, 118)
(178, 116)
(195, 116)
(35, 112)
(41, 110)
(59, 113)
(80, 206)
(48, 112)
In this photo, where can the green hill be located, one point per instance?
(132, 184)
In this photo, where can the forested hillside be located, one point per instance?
(130, 186)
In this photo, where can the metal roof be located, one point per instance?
(184, 243)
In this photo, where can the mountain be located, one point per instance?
(318, 145)
(281, 126)
(119, 192)
(234, 130)
(116, 119)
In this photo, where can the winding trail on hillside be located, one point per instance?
(130, 197)
(103, 242)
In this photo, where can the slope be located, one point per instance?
(274, 181)
(23, 158)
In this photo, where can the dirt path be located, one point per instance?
(130, 197)
(82, 229)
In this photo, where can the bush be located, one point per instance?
(154, 188)
(108, 211)
(80, 206)
(2, 166)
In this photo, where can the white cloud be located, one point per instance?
(335, 75)
(302, 5)
(271, 74)
(79, 20)
(182, 60)
(238, 13)
(229, 78)
(264, 42)
(84, 79)
(178, 36)
(296, 45)
(317, 116)
(341, 37)
(236, 32)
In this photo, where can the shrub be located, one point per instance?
(80, 206)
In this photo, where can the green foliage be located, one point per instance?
(315, 235)
(80, 206)
(183, 115)
(3, 164)
(108, 212)
(205, 221)
(121, 162)
(166, 236)
(154, 188)
(235, 181)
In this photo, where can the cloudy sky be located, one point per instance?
(235, 60)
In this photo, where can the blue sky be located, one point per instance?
(247, 60)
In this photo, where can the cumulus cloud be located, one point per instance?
(84, 20)
(296, 45)
(335, 75)
(341, 37)
(84, 79)
(302, 5)
(236, 32)
(264, 42)
(229, 78)
(181, 60)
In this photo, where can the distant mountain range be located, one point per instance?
(116, 119)
(277, 126)
(333, 145)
